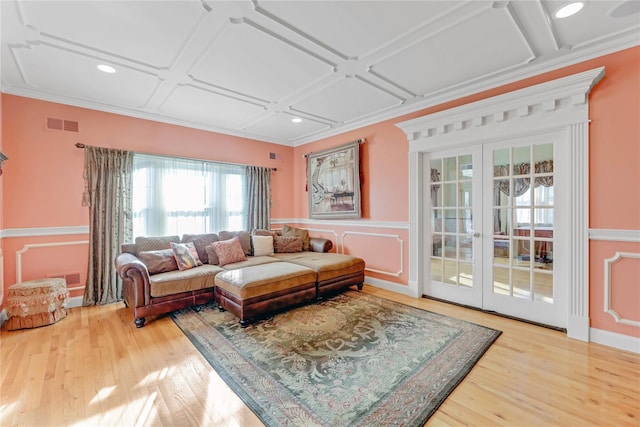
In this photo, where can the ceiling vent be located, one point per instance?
(61, 124)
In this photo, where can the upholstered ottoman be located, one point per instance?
(335, 272)
(36, 303)
(254, 291)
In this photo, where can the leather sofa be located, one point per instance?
(154, 285)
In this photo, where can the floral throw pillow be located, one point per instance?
(186, 255)
(287, 244)
(229, 251)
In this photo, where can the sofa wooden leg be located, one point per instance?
(221, 309)
(244, 323)
(360, 285)
(140, 322)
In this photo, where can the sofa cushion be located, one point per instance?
(155, 243)
(186, 255)
(158, 261)
(175, 282)
(243, 236)
(262, 245)
(289, 231)
(200, 241)
(326, 265)
(287, 244)
(250, 261)
(229, 251)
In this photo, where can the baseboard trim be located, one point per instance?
(615, 340)
(3, 317)
(389, 286)
(74, 302)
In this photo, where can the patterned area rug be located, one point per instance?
(353, 360)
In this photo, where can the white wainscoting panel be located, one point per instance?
(608, 289)
(25, 248)
(400, 269)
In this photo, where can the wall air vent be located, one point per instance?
(61, 124)
(70, 278)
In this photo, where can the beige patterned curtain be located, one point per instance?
(108, 186)
(259, 197)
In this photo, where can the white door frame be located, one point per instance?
(562, 105)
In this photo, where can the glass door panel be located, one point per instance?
(522, 210)
(452, 252)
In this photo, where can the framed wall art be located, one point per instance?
(334, 182)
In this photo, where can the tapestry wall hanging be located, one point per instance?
(334, 182)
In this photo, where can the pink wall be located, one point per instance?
(44, 182)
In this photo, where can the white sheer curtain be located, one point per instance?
(174, 196)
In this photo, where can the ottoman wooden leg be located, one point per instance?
(140, 322)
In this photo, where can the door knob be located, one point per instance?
(476, 234)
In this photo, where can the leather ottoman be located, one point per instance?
(254, 291)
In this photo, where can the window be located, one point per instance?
(173, 196)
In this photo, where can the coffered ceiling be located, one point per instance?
(248, 68)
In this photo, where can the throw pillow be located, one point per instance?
(155, 243)
(287, 244)
(158, 261)
(200, 241)
(186, 255)
(288, 231)
(262, 245)
(243, 236)
(229, 251)
(263, 232)
(211, 255)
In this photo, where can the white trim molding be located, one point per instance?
(611, 235)
(345, 223)
(557, 105)
(44, 231)
(615, 340)
(395, 236)
(608, 262)
(390, 286)
(25, 248)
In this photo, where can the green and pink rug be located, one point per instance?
(353, 360)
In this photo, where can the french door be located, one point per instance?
(492, 241)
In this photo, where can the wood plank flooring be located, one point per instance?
(94, 368)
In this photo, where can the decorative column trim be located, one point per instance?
(578, 316)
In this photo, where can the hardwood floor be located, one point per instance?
(95, 368)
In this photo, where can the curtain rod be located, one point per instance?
(359, 141)
(81, 145)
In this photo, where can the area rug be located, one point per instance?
(352, 360)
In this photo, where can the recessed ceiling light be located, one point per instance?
(296, 120)
(570, 9)
(106, 68)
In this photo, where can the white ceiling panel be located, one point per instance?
(346, 100)
(51, 69)
(280, 124)
(248, 60)
(201, 106)
(356, 27)
(242, 67)
(150, 32)
(572, 32)
(486, 43)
